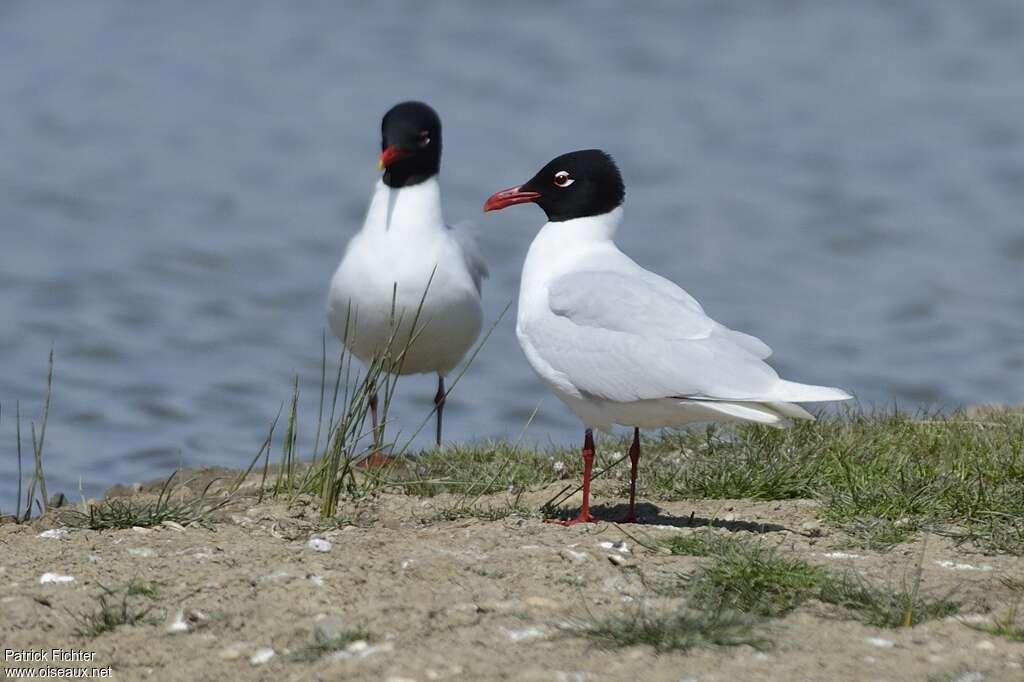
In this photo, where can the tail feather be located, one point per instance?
(758, 413)
(790, 410)
(770, 413)
(792, 392)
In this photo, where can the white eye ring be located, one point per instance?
(562, 179)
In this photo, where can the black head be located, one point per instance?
(574, 185)
(410, 144)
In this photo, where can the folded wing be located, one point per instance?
(625, 336)
(465, 234)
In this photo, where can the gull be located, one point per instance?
(406, 264)
(619, 344)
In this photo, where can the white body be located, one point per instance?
(404, 245)
(621, 345)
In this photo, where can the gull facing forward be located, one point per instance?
(619, 344)
(406, 264)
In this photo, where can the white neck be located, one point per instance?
(405, 209)
(581, 231)
(558, 247)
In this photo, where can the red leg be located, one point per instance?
(588, 467)
(377, 459)
(439, 405)
(634, 460)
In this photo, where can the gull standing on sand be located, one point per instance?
(403, 251)
(619, 344)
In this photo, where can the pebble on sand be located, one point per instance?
(542, 603)
(54, 533)
(962, 567)
(574, 556)
(233, 652)
(178, 625)
(55, 579)
(261, 656)
(361, 649)
(525, 634)
(187, 621)
(329, 631)
(619, 546)
(319, 545)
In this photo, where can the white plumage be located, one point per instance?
(619, 344)
(404, 246)
(622, 345)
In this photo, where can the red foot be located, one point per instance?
(582, 518)
(377, 460)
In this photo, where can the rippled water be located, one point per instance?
(845, 180)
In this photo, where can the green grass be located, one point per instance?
(881, 477)
(677, 631)
(313, 652)
(116, 607)
(331, 474)
(887, 607)
(753, 578)
(756, 579)
(871, 471)
(1010, 624)
(701, 543)
(114, 513)
(877, 535)
(461, 509)
(35, 494)
(481, 469)
(744, 582)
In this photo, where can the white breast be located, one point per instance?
(404, 251)
(557, 249)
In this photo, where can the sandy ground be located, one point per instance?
(469, 599)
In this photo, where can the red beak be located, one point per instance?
(509, 197)
(390, 155)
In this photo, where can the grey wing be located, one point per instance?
(465, 234)
(623, 337)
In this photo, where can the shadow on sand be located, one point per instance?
(651, 515)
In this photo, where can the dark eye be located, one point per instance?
(424, 138)
(562, 179)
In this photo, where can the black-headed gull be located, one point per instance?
(619, 344)
(404, 246)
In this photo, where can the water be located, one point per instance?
(844, 180)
